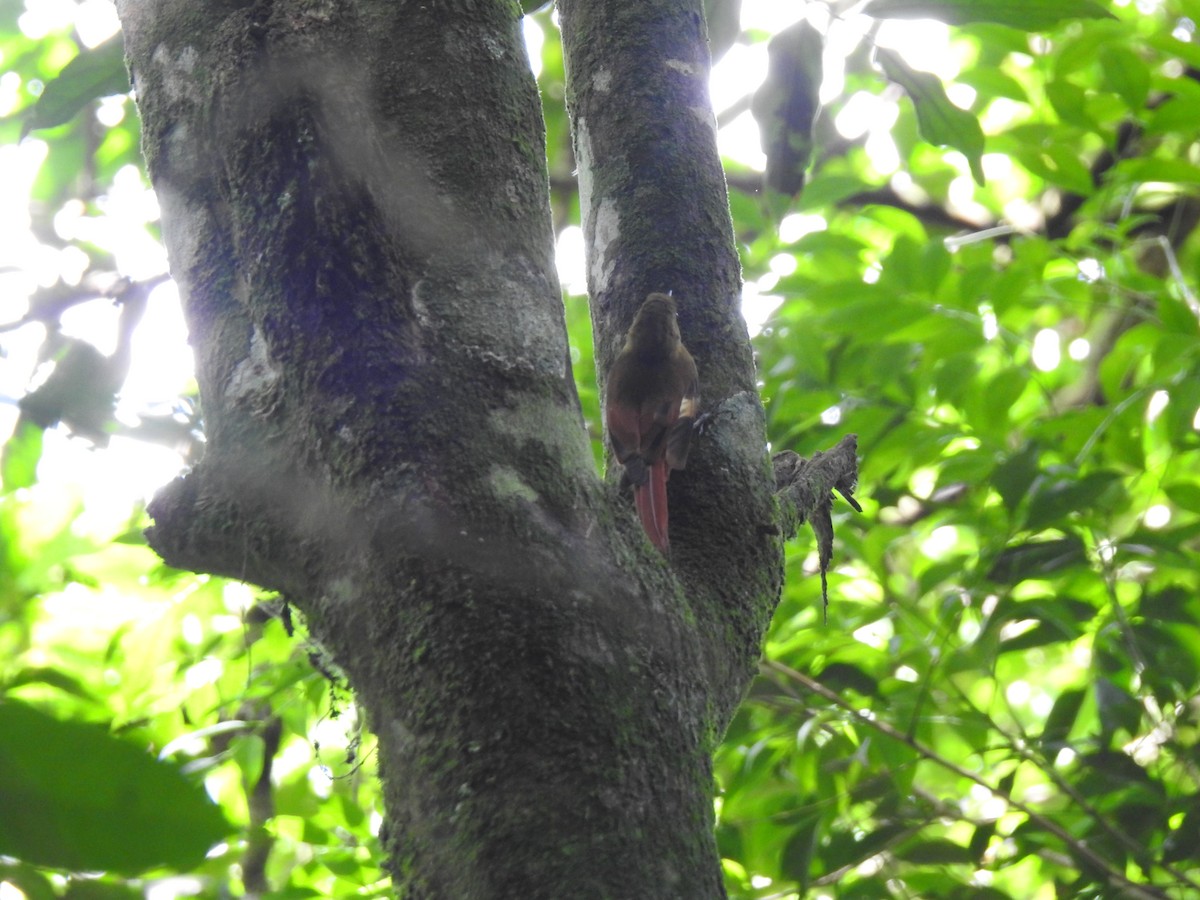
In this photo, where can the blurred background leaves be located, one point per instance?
(974, 246)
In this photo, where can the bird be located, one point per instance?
(653, 396)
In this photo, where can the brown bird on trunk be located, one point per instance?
(653, 396)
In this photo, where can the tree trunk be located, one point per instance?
(355, 204)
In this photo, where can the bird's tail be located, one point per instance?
(651, 500)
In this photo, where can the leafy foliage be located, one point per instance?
(1004, 700)
(1022, 14)
(95, 72)
(81, 799)
(990, 705)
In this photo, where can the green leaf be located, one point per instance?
(1178, 112)
(842, 677)
(1013, 477)
(995, 401)
(22, 452)
(29, 880)
(994, 83)
(1036, 559)
(1184, 494)
(1126, 74)
(1027, 15)
(826, 189)
(1057, 497)
(1070, 104)
(1183, 843)
(936, 851)
(980, 839)
(1061, 718)
(845, 849)
(1152, 168)
(1178, 317)
(98, 72)
(91, 889)
(940, 121)
(1117, 708)
(1172, 655)
(1057, 164)
(75, 797)
(984, 832)
(1115, 770)
(871, 888)
(796, 860)
(873, 319)
(49, 675)
(1175, 604)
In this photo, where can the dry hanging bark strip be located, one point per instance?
(805, 489)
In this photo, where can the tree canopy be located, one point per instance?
(967, 237)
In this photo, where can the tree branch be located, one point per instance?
(655, 216)
(805, 491)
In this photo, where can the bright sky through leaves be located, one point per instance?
(1023, 576)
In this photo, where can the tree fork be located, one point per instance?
(363, 243)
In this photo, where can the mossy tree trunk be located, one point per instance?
(355, 204)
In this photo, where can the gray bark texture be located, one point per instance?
(355, 204)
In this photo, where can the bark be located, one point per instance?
(355, 204)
